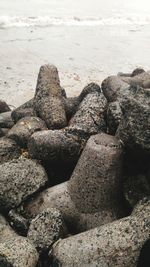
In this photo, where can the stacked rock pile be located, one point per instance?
(75, 175)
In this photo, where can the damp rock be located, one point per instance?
(48, 100)
(19, 179)
(9, 150)
(24, 128)
(46, 228)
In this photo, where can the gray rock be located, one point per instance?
(24, 128)
(67, 144)
(48, 100)
(71, 106)
(115, 244)
(25, 110)
(18, 252)
(137, 71)
(9, 150)
(3, 131)
(6, 120)
(6, 232)
(114, 114)
(96, 183)
(4, 107)
(46, 228)
(19, 179)
(136, 187)
(18, 222)
(134, 130)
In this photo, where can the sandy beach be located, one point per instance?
(86, 42)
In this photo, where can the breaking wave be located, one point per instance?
(45, 21)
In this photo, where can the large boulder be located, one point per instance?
(48, 100)
(4, 107)
(9, 150)
(24, 128)
(19, 179)
(6, 120)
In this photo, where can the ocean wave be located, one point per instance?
(45, 21)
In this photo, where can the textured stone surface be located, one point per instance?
(48, 100)
(24, 128)
(23, 111)
(67, 144)
(8, 150)
(18, 180)
(116, 244)
(96, 182)
(54, 146)
(18, 252)
(6, 232)
(134, 130)
(18, 222)
(6, 120)
(114, 114)
(46, 228)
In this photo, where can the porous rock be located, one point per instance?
(18, 252)
(9, 150)
(25, 110)
(115, 244)
(19, 179)
(134, 130)
(18, 222)
(24, 128)
(48, 100)
(46, 228)
(6, 232)
(67, 144)
(96, 183)
(114, 115)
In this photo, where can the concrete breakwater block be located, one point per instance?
(24, 128)
(19, 179)
(48, 104)
(96, 182)
(18, 252)
(116, 244)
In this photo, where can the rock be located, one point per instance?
(24, 128)
(6, 232)
(3, 131)
(66, 145)
(114, 115)
(144, 258)
(46, 228)
(4, 107)
(136, 187)
(9, 150)
(19, 179)
(25, 110)
(18, 222)
(114, 244)
(6, 120)
(18, 252)
(48, 100)
(96, 183)
(54, 146)
(112, 86)
(134, 130)
(137, 71)
(71, 106)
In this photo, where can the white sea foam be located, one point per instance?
(45, 21)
